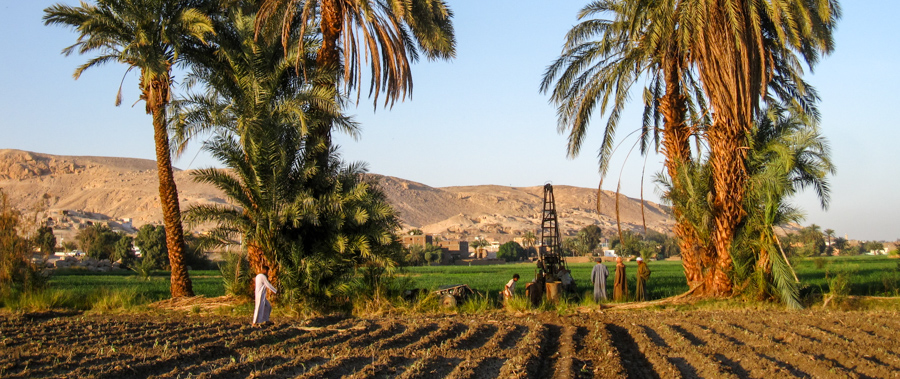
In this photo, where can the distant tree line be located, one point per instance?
(100, 242)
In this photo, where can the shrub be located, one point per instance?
(17, 272)
(511, 251)
(151, 239)
(236, 276)
(97, 241)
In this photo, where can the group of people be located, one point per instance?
(620, 283)
(598, 278)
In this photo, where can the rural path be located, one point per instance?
(636, 344)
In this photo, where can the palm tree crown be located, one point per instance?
(386, 34)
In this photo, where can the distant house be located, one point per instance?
(454, 250)
(410, 240)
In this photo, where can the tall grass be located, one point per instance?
(106, 292)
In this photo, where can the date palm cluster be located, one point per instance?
(267, 82)
(727, 77)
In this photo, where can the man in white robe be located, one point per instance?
(263, 308)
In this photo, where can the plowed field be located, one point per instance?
(718, 344)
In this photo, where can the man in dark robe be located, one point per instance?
(643, 274)
(620, 289)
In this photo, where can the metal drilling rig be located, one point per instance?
(552, 274)
(550, 256)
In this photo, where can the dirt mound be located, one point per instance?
(646, 344)
(128, 188)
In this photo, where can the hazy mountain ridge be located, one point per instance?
(128, 187)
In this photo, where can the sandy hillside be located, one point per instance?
(127, 187)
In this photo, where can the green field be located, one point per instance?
(667, 278)
(867, 276)
(84, 290)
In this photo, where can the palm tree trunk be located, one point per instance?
(156, 98)
(676, 149)
(257, 259)
(328, 59)
(734, 76)
(729, 183)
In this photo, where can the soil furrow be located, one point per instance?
(408, 337)
(783, 346)
(339, 367)
(696, 352)
(740, 358)
(655, 349)
(633, 360)
(740, 343)
(293, 368)
(848, 355)
(478, 337)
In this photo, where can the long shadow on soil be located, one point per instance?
(439, 367)
(478, 338)
(549, 351)
(635, 362)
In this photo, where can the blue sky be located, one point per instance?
(480, 119)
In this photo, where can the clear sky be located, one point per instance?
(480, 119)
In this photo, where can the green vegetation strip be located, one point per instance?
(85, 290)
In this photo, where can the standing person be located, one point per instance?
(598, 279)
(620, 291)
(535, 289)
(510, 289)
(263, 309)
(642, 275)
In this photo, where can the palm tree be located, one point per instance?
(147, 35)
(388, 35)
(314, 246)
(830, 234)
(787, 154)
(601, 60)
(479, 244)
(529, 239)
(257, 105)
(252, 95)
(742, 54)
(739, 49)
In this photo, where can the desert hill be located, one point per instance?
(127, 188)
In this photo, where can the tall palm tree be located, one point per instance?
(252, 93)
(600, 62)
(387, 35)
(257, 105)
(830, 234)
(733, 54)
(739, 48)
(147, 35)
(529, 239)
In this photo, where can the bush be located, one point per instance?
(151, 239)
(433, 254)
(97, 241)
(511, 251)
(236, 276)
(17, 272)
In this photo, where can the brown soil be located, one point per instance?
(641, 344)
